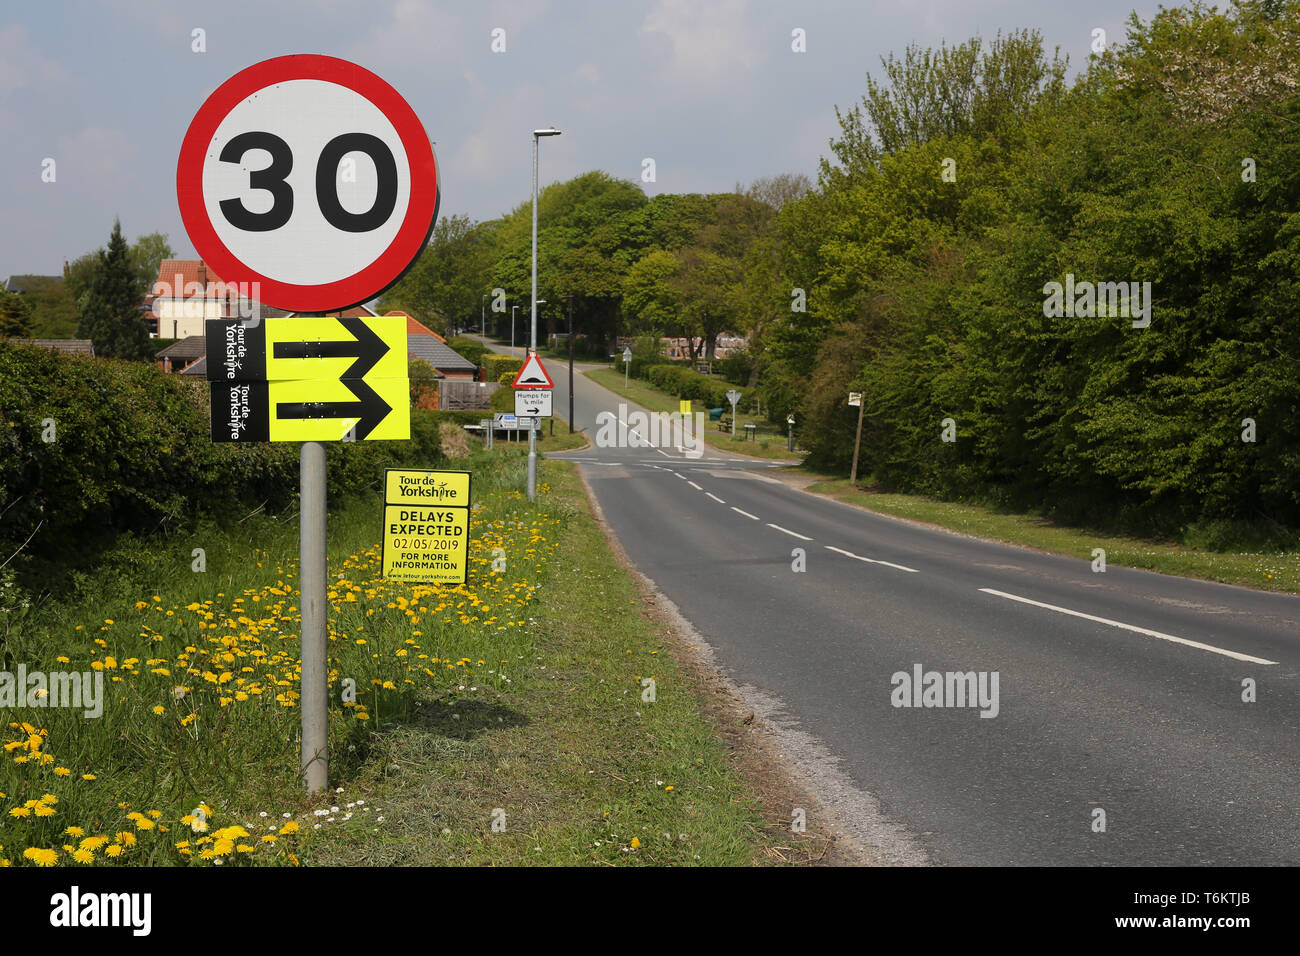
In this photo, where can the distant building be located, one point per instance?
(725, 345)
(187, 293)
(32, 283)
(183, 355)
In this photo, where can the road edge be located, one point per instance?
(775, 757)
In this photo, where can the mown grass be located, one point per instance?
(1269, 571)
(768, 443)
(518, 691)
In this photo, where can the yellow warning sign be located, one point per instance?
(426, 526)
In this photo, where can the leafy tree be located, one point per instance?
(445, 285)
(52, 306)
(649, 298)
(147, 254)
(112, 319)
(15, 316)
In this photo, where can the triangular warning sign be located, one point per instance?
(533, 374)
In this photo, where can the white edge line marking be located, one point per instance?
(793, 534)
(1130, 627)
(715, 497)
(745, 513)
(858, 557)
(695, 486)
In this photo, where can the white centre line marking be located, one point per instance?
(1129, 627)
(680, 475)
(745, 513)
(715, 497)
(695, 486)
(858, 557)
(793, 534)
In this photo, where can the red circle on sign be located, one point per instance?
(370, 280)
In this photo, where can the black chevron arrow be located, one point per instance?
(369, 408)
(367, 347)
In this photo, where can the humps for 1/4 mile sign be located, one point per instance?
(426, 526)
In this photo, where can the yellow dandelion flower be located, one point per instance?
(290, 827)
(75, 832)
(93, 843)
(41, 857)
(83, 856)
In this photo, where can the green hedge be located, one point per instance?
(687, 383)
(131, 453)
(495, 365)
(471, 349)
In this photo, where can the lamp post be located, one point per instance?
(482, 314)
(532, 339)
(570, 365)
(513, 310)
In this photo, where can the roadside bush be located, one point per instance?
(471, 349)
(495, 366)
(736, 368)
(687, 383)
(93, 448)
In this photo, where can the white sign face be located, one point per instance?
(308, 179)
(733, 396)
(533, 403)
(855, 398)
(287, 128)
(627, 355)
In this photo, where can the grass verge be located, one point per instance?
(1273, 572)
(767, 445)
(505, 721)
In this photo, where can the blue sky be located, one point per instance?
(710, 89)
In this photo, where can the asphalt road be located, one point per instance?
(1119, 691)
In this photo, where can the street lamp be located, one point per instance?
(532, 347)
(513, 310)
(482, 313)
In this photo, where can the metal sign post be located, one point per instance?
(315, 612)
(855, 398)
(733, 396)
(627, 365)
(305, 249)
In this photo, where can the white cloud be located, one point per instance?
(96, 153)
(22, 65)
(710, 41)
(414, 29)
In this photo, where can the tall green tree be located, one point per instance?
(15, 316)
(147, 253)
(112, 318)
(445, 286)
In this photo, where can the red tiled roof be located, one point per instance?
(175, 274)
(415, 327)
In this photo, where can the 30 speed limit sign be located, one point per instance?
(311, 177)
